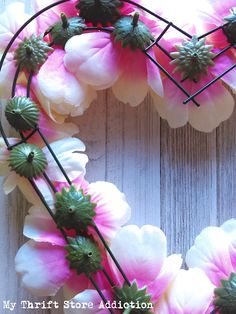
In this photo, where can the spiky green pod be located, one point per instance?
(74, 209)
(132, 33)
(225, 296)
(22, 113)
(230, 28)
(83, 255)
(133, 295)
(31, 53)
(101, 12)
(193, 58)
(62, 31)
(27, 160)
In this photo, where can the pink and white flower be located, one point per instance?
(130, 74)
(190, 292)
(214, 251)
(68, 153)
(142, 254)
(47, 244)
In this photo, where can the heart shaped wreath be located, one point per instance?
(77, 239)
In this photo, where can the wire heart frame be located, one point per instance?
(146, 51)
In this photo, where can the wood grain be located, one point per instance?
(181, 180)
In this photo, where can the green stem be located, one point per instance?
(64, 20)
(135, 19)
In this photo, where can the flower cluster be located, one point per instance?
(77, 235)
(102, 44)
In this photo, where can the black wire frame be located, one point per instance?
(24, 139)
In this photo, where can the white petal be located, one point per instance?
(10, 183)
(40, 227)
(147, 252)
(190, 292)
(67, 151)
(211, 253)
(42, 267)
(92, 300)
(93, 59)
(112, 210)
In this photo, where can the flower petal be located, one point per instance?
(67, 151)
(112, 210)
(169, 270)
(190, 292)
(59, 89)
(93, 59)
(42, 267)
(40, 227)
(92, 300)
(147, 252)
(211, 253)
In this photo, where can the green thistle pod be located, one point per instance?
(193, 58)
(132, 33)
(31, 53)
(225, 296)
(27, 160)
(74, 209)
(62, 31)
(132, 294)
(99, 11)
(83, 255)
(230, 28)
(22, 113)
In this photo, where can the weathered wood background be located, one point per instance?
(181, 180)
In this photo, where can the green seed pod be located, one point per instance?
(230, 28)
(62, 31)
(27, 160)
(225, 296)
(128, 294)
(83, 255)
(193, 58)
(31, 53)
(22, 113)
(74, 209)
(99, 11)
(132, 33)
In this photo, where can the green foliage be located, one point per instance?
(74, 209)
(62, 31)
(22, 113)
(225, 296)
(132, 33)
(27, 160)
(132, 294)
(31, 53)
(83, 255)
(230, 28)
(99, 11)
(193, 58)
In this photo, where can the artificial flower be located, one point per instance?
(142, 254)
(214, 251)
(190, 292)
(216, 102)
(130, 74)
(59, 92)
(68, 153)
(111, 210)
(51, 130)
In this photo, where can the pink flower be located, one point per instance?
(51, 130)
(130, 74)
(142, 254)
(47, 244)
(10, 21)
(216, 102)
(214, 251)
(190, 292)
(59, 92)
(68, 153)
